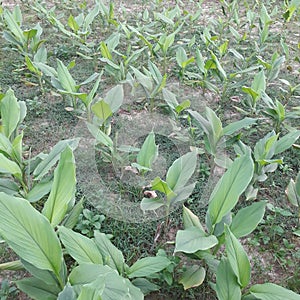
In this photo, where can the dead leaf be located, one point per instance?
(150, 194)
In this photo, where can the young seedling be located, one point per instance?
(174, 187)
(27, 42)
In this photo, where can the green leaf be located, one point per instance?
(80, 247)
(270, 291)
(41, 55)
(29, 34)
(291, 193)
(247, 219)
(229, 188)
(9, 167)
(147, 266)
(37, 289)
(286, 141)
(192, 277)
(155, 72)
(193, 239)
(168, 42)
(148, 152)
(164, 18)
(72, 23)
(12, 39)
(103, 283)
(219, 67)
(226, 285)
(47, 70)
(151, 203)
(65, 79)
(72, 218)
(111, 255)
(10, 113)
(105, 51)
(237, 258)
(259, 82)
(181, 171)
(99, 135)
(87, 273)
(31, 66)
(115, 97)
(63, 188)
(215, 122)
(13, 26)
(181, 56)
(235, 126)
(170, 98)
(297, 232)
(90, 79)
(5, 145)
(45, 275)
(39, 191)
(15, 265)
(182, 194)
(17, 145)
(117, 287)
(67, 293)
(159, 185)
(102, 110)
(145, 285)
(8, 186)
(254, 95)
(144, 80)
(212, 128)
(190, 219)
(182, 106)
(44, 167)
(159, 87)
(29, 234)
(93, 92)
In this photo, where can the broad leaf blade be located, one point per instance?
(39, 191)
(193, 239)
(147, 266)
(237, 258)
(44, 167)
(270, 291)
(72, 218)
(114, 98)
(29, 233)
(87, 273)
(63, 188)
(228, 190)
(111, 255)
(192, 277)
(286, 141)
(9, 167)
(226, 286)
(235, 126)
(65, 78)
(10, 113)
(99, 135)
(148, 152)
(190, 219)
(151, 203)
(67, 293)
(38, 289)
(159, 185)
(247, 219)
(80, 247)
(102, 110)
(181, 171)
